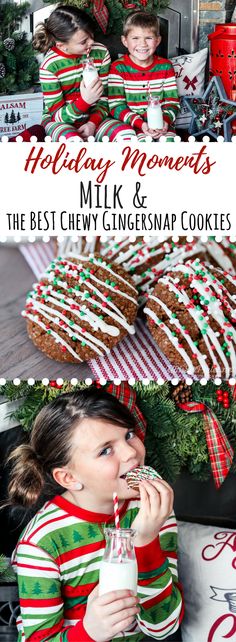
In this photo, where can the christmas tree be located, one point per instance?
(18, 65)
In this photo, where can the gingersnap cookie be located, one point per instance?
(148, 261)
(191, 314)
(139, 474)
(82, 245)
(81, 308)
(222, 254)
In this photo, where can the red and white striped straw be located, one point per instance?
(117, 524)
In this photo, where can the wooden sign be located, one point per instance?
(18, 112)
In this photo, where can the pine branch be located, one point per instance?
(175, 440)
(6, 571)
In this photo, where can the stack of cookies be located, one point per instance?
(84, 305)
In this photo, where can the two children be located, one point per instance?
(86, 441)
(114, 105)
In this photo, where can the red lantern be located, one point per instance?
(223, 55)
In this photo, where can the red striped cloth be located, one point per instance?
(136, 356)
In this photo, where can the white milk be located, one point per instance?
(89, 73)
(154, 115)
(115, 576)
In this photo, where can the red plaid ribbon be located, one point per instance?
(101, 14)
(126, 395)
(220, 451)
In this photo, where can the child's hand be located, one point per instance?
(156, 504)
(145, 129)
(157, 133)
(86, 130)
(93, 92)
(109, 614)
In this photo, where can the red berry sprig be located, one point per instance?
(223, 398)
(54, 384)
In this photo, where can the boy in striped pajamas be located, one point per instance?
(134, 77)
(87, 441)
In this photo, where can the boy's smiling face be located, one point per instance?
(141, 44)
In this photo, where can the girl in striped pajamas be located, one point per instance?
(71, 109)
(86, 441)
(136, 75)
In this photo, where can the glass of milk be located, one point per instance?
(89, 72)
(118, 567)
(154, 113)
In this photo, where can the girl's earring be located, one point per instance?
(78, 486)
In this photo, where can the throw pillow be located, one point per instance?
(207, 571)
(190, 77)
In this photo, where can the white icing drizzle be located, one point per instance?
(172, 339)
(175, 340)
(89, 316)
(58, 339)
(108, 286)
(146, 282)
(205, 290)
(222, 259)
(50, 313)
(132, 255)
(216, 313)
(76, 247)
(38, 300)
(103, 265)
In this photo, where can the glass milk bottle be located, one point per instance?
(118, 568)
(154, 113)
(89, 72)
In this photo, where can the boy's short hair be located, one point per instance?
(143, 19)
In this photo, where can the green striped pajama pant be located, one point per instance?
(115, 130)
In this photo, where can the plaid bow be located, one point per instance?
(126, 395)
(220, 451)
(101, 14)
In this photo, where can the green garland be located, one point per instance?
(116, 9)
(6, 572)
(174, 441)
(19, 62)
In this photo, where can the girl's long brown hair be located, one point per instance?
(60, 26)
(50, 444)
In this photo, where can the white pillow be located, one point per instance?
(190, 76)
(207, 570)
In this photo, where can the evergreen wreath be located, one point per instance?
(118, 10)
(175, 440)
